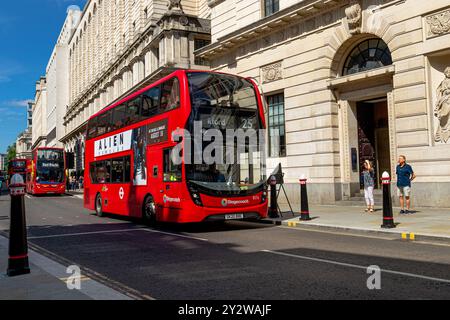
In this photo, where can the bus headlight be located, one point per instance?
(195, 195)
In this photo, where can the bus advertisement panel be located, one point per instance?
(188, 148)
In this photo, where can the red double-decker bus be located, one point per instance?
(130, 168)
(46, 172)
(18, 166)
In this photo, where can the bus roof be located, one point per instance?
(157, 82)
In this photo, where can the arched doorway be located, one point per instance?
(363, 73)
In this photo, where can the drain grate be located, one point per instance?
(4, 217)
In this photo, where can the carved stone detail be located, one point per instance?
(272, 72)
(438, 23)
(442, 109)
(175, 6)
(354, 15)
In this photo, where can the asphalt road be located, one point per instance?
(235, 260)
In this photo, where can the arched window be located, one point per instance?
(367, 55)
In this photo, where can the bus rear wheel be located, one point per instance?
(99, 205)
(149, 210)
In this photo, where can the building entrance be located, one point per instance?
(373, 136)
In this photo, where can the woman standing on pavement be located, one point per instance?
(369, 183)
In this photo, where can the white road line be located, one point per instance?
(82, 233)
(175, 234)
(113, 231)
(356, 266)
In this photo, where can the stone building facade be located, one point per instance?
(39, 115)
(57, 75)
(120, 46)
(345, 81)
(24, 140)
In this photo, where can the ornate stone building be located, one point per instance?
(345, 81)
(122, 45)
(57, 75)
(39, 117)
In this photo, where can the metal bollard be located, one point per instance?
(304, 206)
(388, 217)
(18, 247)
(273, 209)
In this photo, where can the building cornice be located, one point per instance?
(292, 14)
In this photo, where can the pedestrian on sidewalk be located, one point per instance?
(369, 183)
(405, 175)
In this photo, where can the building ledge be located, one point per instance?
(292, 14)
(359, 80)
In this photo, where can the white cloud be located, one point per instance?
(15, 103)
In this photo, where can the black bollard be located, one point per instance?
(273, 209)
(388, 217)
(18, 247)
(304, 207)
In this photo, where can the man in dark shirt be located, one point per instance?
(405, 175)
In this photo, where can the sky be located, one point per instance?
(28, 32)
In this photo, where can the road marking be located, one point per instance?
(113, 231)
(348, 234)
(28, 196)
(412, 275)
(91, 287)
(83, 233)
(175, 234)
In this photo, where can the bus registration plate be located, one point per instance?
(234, 216)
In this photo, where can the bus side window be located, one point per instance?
(92, 128)
(171, 171)
(133, 111)
(170, 95)
(150, 103)
(117, 171)
(119, 113)
(127, 166)
(104, 123)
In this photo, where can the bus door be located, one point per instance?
(120, 187)
(155, 174)
(173, 186)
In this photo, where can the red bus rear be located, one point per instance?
(131, 166)
(46, 172)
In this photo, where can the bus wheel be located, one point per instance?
(149, 210)
(99, 205)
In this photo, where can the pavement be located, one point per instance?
(423, 223)
(47, 281)
(232, 260)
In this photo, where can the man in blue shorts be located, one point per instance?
(405, 175)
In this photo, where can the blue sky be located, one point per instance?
(28, 32)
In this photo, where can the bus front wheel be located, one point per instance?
(99, 205)
(149, 210)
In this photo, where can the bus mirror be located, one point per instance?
(70, 160)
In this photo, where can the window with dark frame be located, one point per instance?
(117, 170)
(271, 6)
(150, 102)
(156, 100)
(276, 125)
(367, 55)
(200, 43)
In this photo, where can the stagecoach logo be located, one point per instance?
(169, 199)
(113, 144)
(226, 202)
